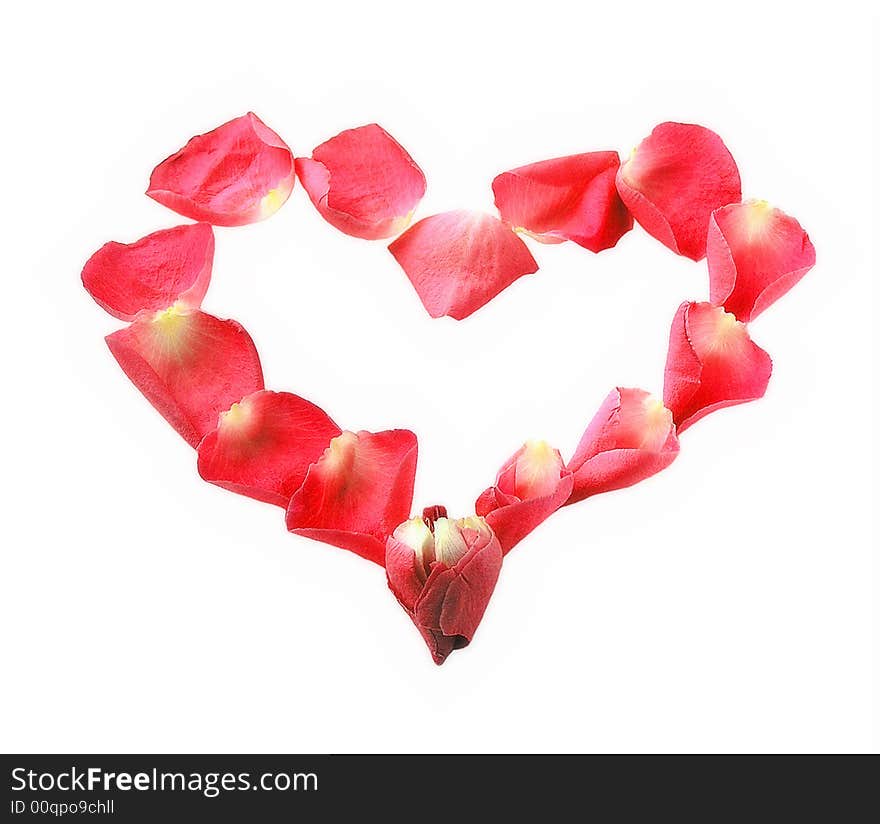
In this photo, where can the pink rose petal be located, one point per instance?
(264, 445)
(755, 254)
(357, 491)
(363, 182)
(567, 198)
(458, 261)
(239, 173)
(163, 268)
(529, 488)
(673, 182)
(190, 365)
(712, 363)
(631, 437)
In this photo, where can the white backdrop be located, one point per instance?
(722, 605)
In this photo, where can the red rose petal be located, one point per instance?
(529, 488)
(190, 365)
(755, 254)
(712, 363)
(264, 445)
(239, 173)
(357, 492)
(152, 273)
(363, 182)
(458, 261)
(631, 437)
(444, 580)
(674, 180)
(568, 198)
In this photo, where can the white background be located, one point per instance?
(722, 605)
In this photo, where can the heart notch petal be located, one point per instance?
(443, 573)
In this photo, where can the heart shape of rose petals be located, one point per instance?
(353, 489)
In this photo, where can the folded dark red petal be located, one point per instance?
(454, 601)
(443, 585)
(567, 198)
(238, 173)
(712, 363)
(755, 254)
(152, 273)
(357, 492)
(264, 445)
(630, 438)
(531, 485)
(190, 365)
(458, 261)
(673, 181)
(363, 182)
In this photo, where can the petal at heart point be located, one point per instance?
(443, 573)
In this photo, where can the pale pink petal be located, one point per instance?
(458, 261)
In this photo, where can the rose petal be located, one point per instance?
(712, 363)
(363, 182)
(190, 365)
(264, 445)
(238, 173)
(755, 254)
(455, 601)
(630, 438)
(566, 198)
(448, 602)
(152, 273)
(458, 261)
(409, 552)
(357, 492)
(674, 180)
(529, 488)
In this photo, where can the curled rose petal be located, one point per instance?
(630, 438)
(755, 254)
(264, 445)
(357, 491)
(363, 182)
(712, 363)
(190, 365)
(674, 180)
(443, 572)
(458, 261)
(567, 198)
(163, 268)
(238, 173)
(529, 488)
